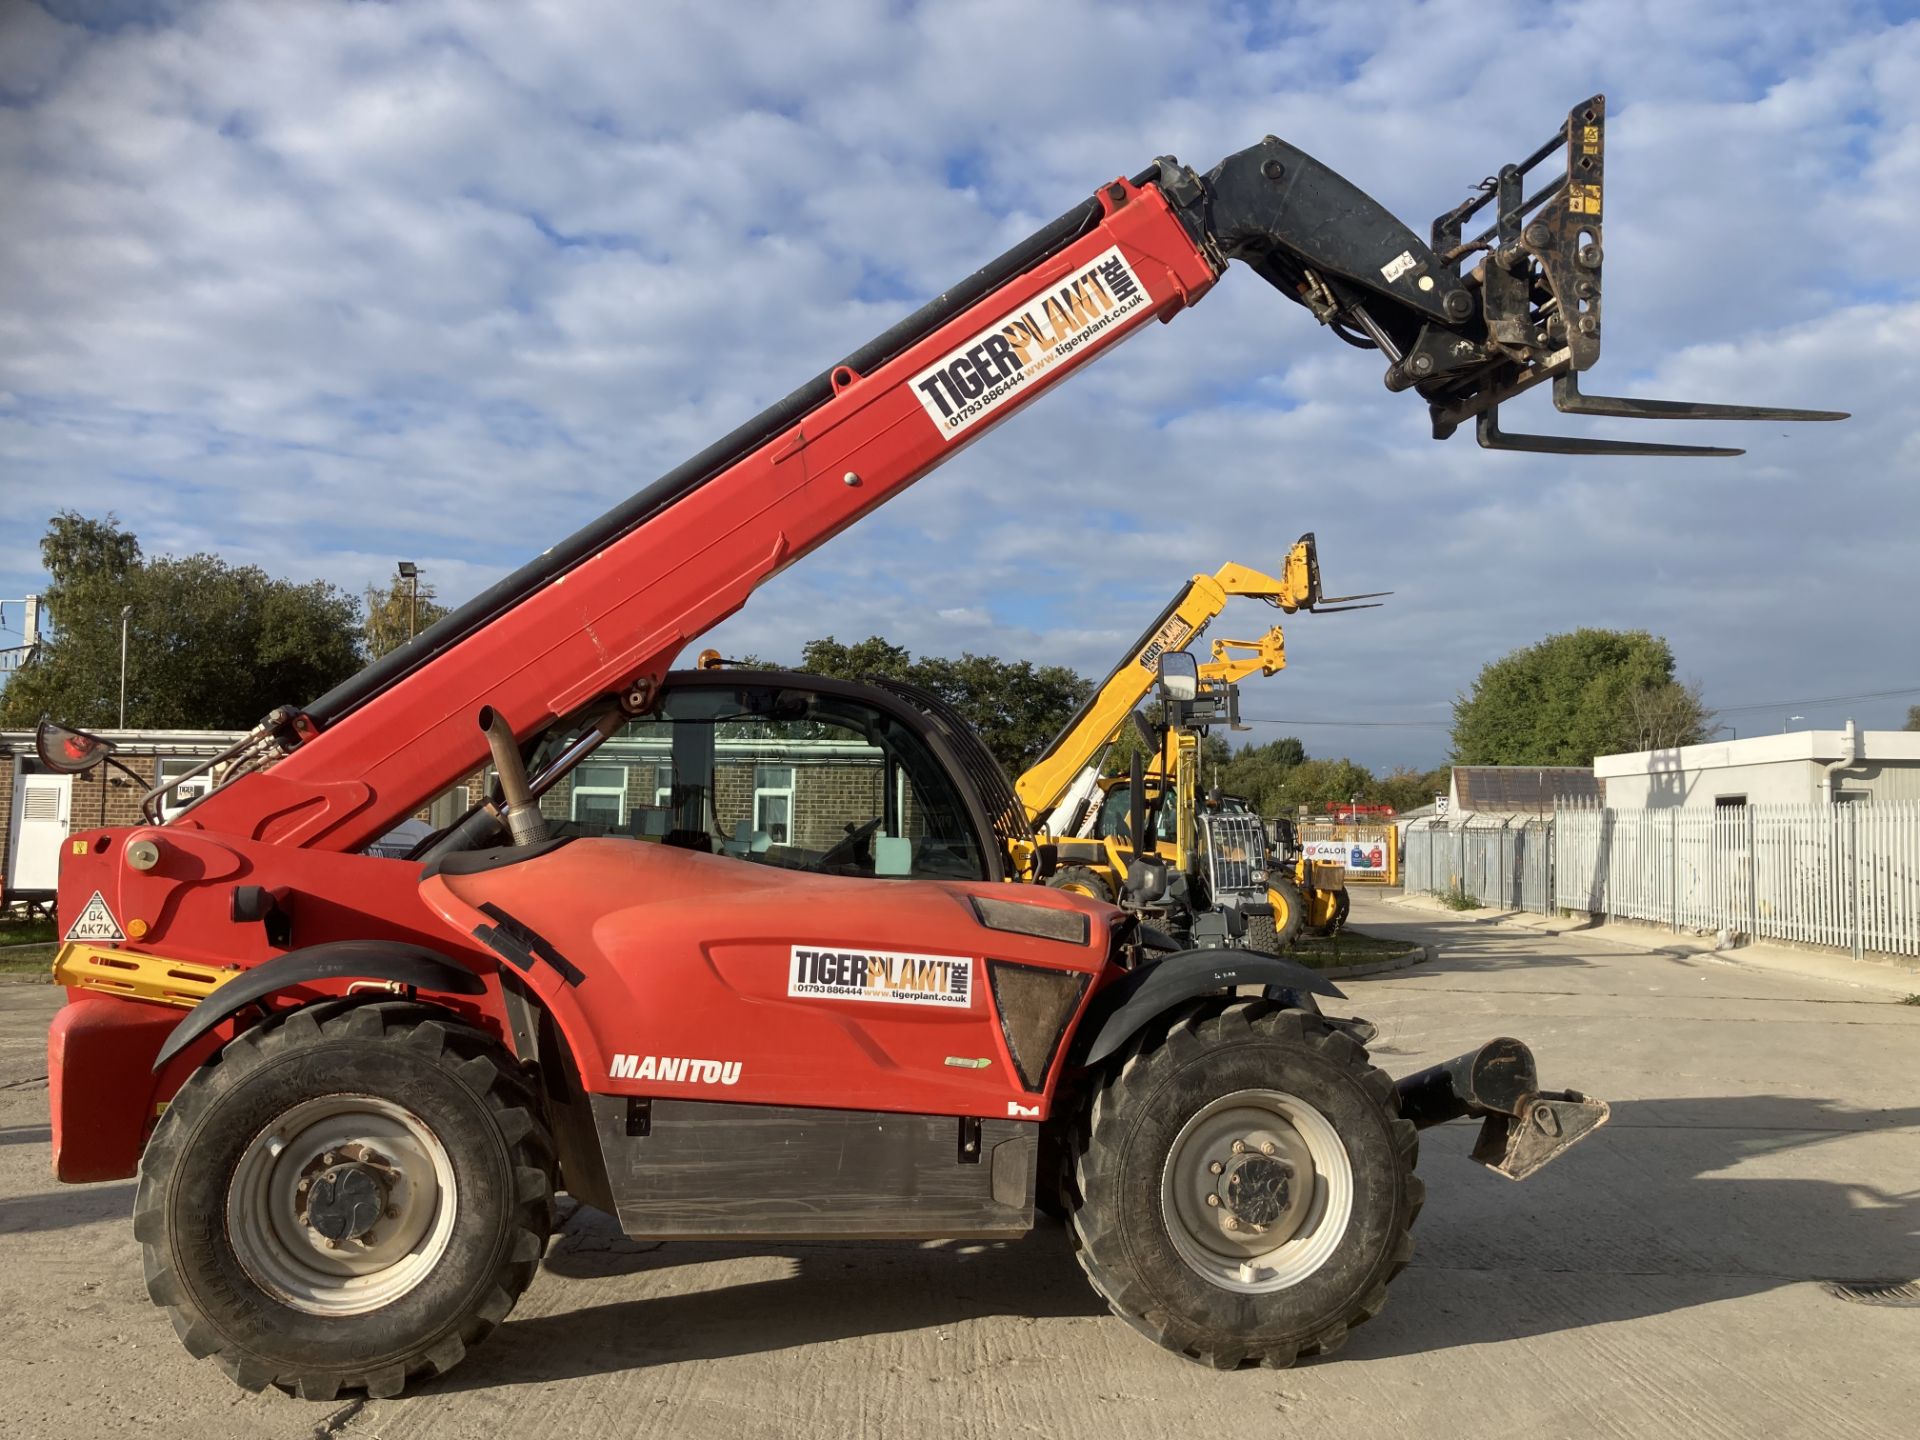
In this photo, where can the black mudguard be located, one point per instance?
(341, 960)
(1124, 1008)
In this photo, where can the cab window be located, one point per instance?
(1113, 814)
(778, 776)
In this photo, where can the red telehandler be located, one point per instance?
(730, 954)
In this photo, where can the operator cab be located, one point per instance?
(792, 771)
(1113, 812)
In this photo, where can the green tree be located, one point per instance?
(1408, 789)
(209, 645)
(1319, 783)
(871, 658)
(1259, 772)
(1015, 706)
(1572, 697)
(76, 674)
(396, 614)
(1913, 717)
(1663, 716)
(1119, 757)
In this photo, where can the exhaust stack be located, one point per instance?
(525, 823)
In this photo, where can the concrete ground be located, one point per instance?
(1660, 1280)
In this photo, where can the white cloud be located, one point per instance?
(321, 287)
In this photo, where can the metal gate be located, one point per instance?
(1504, 863)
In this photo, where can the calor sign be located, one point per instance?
(1354, 854)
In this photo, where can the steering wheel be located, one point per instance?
(850, 847)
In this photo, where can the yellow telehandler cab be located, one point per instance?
(1084, 815)
(1217, 840)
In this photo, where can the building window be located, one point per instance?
(448, 806)
(1730, 802)
(1851, 797)
(173, 768)
(600, 795)
(773, 802)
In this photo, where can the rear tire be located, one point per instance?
(1274, 933)
(1082, 880)
(341, 1112)
(1320, 1223)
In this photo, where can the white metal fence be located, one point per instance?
(1505, 863)
(1842, 875)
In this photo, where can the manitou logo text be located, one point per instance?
(1022, 1112)
(986, 372)
(675, 1070)
(875, 975)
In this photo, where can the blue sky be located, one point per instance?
(322, 286)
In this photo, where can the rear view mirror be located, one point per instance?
(69, 752)
(1179, 675)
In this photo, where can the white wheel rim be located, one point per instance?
(1216, 1232)
(283, 1252)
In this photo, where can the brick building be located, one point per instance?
(799, 792)
(40, 808)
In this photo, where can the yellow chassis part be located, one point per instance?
(137, 977)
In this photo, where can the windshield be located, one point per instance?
(777, 775)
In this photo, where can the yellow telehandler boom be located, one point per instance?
(1055, 789)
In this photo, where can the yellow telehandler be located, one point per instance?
(1084, 815)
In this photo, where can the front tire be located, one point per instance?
(1272, 934)
(1342, 903)
(1245, 1186)
(1082, 880)
(347, 1199)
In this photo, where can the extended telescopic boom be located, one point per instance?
(606, 611)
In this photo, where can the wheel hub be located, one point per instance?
(342, 1205)
(346, 1200)
(1256, 1189)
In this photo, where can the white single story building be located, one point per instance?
(1801, 767)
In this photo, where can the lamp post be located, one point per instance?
(1787, 724)
(125, 611)
(410, 573)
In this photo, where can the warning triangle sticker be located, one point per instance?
(95, 922)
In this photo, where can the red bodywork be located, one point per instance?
(683, 950)
(688, 956)
(683, 956)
